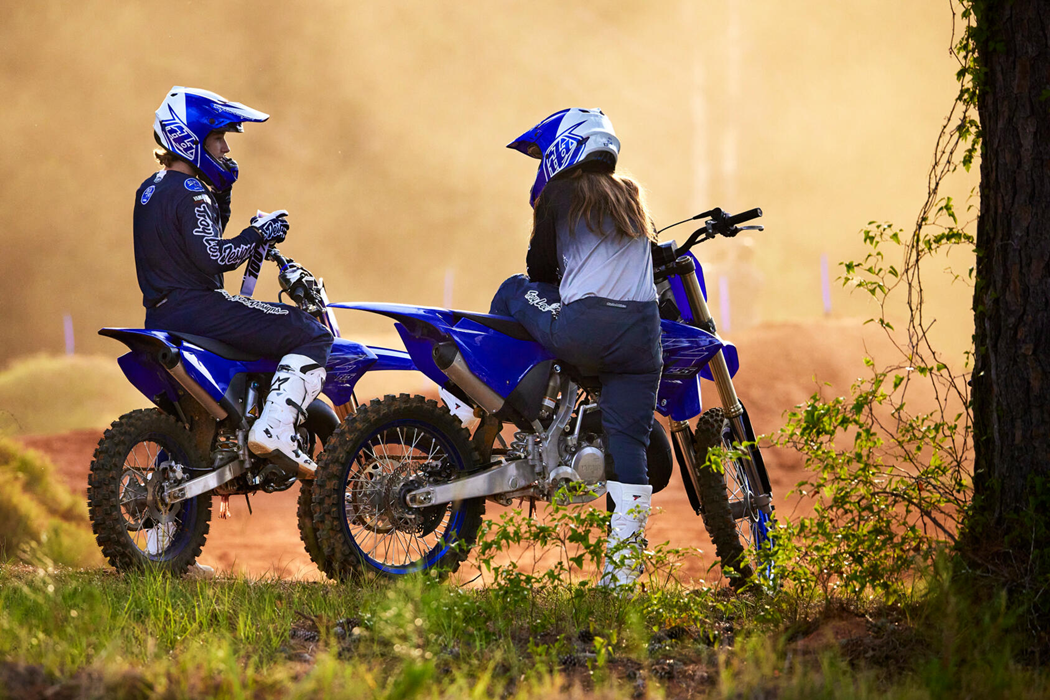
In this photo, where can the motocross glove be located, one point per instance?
(273, 226)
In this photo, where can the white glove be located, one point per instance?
(273, 226)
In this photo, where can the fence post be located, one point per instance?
(825, 284)
(67, 325)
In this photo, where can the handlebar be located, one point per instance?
(744, 216)
(297, 282)
(719, 223)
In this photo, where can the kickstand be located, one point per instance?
(249, 504)
(532, 507)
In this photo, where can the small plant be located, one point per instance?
(889, 485)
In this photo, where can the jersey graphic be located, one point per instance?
(533, 297)
(193, 185)
(219, 250)
(148, 193)
(272, 309)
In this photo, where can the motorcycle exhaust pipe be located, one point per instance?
(171, 360)
(449, 360)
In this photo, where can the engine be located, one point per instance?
(584, 462)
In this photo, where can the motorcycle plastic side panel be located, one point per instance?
(678, 289)
(732, 361)
(686, 351)
(421, 350)
(140, 365)
(215, 373)
(347, 362)
(499, 360)
(145, 374)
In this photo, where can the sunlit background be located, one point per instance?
(386, 144)
(389, 121)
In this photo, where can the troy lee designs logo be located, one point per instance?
(562, 152)
(533, 297)
(182, 141)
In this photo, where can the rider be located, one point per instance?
(181, 213)
(590, 299)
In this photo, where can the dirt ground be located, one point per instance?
(781, 365)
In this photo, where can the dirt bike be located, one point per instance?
(401, 486)
(156, 470)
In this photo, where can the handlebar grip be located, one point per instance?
(744, 216)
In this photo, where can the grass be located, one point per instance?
(57, 393)
(38, 512)
(99, 634)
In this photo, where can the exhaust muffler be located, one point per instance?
(449, 360)
(171, 360)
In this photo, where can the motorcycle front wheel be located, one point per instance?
(741, 531)
(378, 455)
(139, 453)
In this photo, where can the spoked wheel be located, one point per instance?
(740, 528)
(376, 457)
(141, 453)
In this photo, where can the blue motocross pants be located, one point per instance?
(616, 341)
(262, 328)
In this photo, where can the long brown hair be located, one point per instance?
(597, 194)
(165, 157)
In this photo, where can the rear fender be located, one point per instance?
(498, 360)
(140, 365)
(420, 328)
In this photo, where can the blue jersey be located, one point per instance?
(178, 237)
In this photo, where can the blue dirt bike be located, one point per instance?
(401, 486)
(155, 470)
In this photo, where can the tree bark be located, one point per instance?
(1011, 379)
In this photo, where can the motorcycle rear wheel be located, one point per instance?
(743, 543)
(374, 458)
(132, 532)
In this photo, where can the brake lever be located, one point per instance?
(750, 228)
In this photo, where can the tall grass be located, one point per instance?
(39, 516)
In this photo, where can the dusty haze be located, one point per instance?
(389, 121)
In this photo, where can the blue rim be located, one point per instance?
(447, 539)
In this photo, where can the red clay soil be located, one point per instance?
(778, 366)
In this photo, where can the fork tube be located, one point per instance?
(702, 317)
(682, 435)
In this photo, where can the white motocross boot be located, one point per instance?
(623, 558)
(459, 409)
(295, 385)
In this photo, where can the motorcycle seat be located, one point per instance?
(216, 346)
(504, 324)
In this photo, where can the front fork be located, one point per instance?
(731, 405)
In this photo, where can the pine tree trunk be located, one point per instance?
(1011, 379)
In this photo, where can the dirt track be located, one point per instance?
(778, 366)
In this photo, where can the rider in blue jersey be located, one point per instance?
(181, 213)
(590, 299)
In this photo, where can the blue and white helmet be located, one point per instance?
(184, 120)
(566, 139)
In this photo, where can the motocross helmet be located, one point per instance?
(565, 140)
(184, 120)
